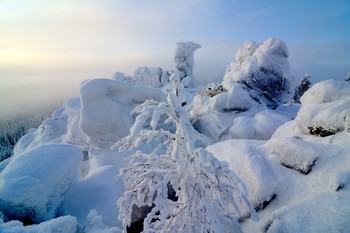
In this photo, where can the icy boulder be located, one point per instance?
(151, 76)
(185, 62)
(325, 108)
(106, 104)
(264, 70)
(33, 183)
(74, 133)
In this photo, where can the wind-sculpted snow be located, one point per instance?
(264, 70)
(185, 62)
(260, 127)
(106, 104)
(75, 134)
(33, 183)
(151, 76)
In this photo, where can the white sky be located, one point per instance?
(71, 40)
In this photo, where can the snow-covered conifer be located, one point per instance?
(347, 78)
(185, 187)
(303, 86)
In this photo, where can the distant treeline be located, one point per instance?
(13, 128)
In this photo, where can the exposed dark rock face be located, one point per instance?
(267, 86)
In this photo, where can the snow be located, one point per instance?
(291, 160)
(264, 70)
(325, 108)
(151, 76)
(74, 133)
(34, 182)
(261, 127)
(50, 131)
(185, 61)
(294, 153)
(252, 165)
(106, 104)
(64, 224)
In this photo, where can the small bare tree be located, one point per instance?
(209, 197)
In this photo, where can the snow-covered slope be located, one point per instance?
(293, 158)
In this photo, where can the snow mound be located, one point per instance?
(236, 99)
(293, 153)
(312, 215)
(64, 224)
(106, 105)
(50, 131)
(213, 116)
(325, 108)
(252, 165)
(33, 183)
(264, 70)
(260, 127)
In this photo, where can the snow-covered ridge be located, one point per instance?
(249, 135)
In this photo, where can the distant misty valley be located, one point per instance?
(25, 103)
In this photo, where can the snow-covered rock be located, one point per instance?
(151, 76)
(264, 70)
(185, 62)
(106, 104)
(248, 160)
(74, 133)
(325, 108)
(33, 184)
(119, 76)
(213, 116)
(294, 153)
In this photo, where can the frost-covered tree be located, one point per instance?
(347, 78)
(303, 86)
(185, 187)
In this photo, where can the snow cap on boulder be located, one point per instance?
(264, 70)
